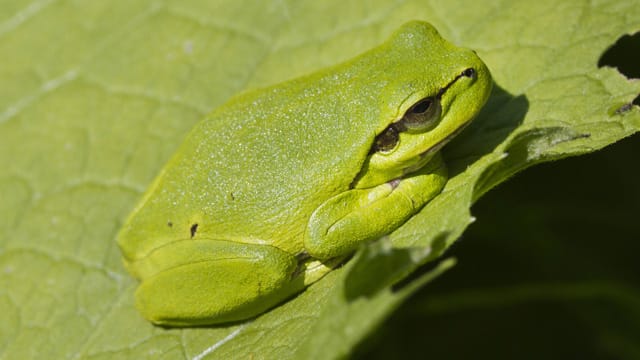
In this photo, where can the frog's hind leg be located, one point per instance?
(205, 281)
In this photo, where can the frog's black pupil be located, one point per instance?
(470, 72)
(421, 107)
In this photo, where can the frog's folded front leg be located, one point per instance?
(349, 219)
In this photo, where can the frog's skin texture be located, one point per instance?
(277, 186)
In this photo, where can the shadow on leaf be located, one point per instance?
(526, 149)
(502, 114)
(379, 265)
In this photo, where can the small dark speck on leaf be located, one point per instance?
(624, 108)
(169, 224)
(193, 230)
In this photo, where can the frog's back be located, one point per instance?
(256, 167)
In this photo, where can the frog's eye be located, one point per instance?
(422, 115)
(387, 140)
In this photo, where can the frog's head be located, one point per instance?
(434, 91)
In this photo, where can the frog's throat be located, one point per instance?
(440, 144)
(426, 156)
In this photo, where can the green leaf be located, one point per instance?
(96, 96)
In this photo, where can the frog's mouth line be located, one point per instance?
(430, 152)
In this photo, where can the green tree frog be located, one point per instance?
(278, 186)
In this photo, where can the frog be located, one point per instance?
(280, 185)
